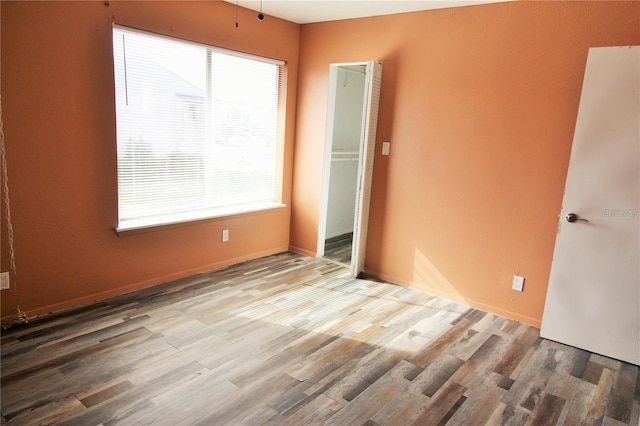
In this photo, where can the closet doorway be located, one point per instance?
(352, 113)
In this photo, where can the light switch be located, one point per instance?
(385, 148)
(518, 283)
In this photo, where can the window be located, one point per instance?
(198, 130)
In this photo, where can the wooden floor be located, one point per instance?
(338, 249)
(291, 340)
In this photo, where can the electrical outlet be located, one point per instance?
(225, 235)
(518, 283)
(4, 281)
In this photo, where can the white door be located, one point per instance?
(365, 168)
(593, 299)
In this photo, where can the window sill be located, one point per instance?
(148, 224)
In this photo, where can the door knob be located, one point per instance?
(572, 217)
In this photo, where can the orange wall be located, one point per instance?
(58, 113)
(479, 104)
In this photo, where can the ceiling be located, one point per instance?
(308, 11)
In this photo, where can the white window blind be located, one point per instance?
(198, 130)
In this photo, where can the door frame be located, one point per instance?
(365, 161)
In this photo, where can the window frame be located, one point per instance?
(227, 210)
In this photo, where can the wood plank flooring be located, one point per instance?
(338, 249)
(292, 340)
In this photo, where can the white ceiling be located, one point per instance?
(308, 11)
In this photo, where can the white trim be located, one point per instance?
(173, 219)
(208, 46)
(326, 169)
(365, 168)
